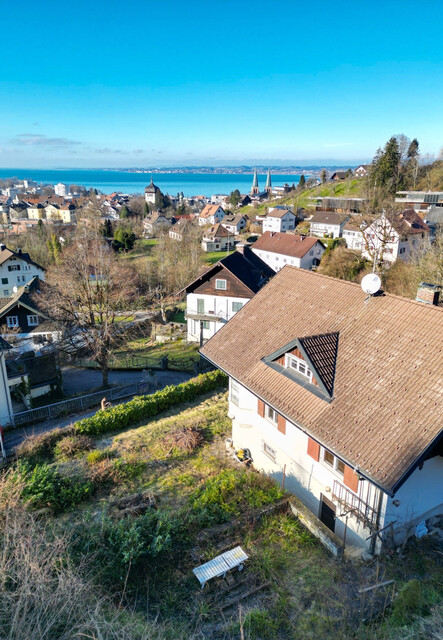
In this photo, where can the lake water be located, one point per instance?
(191, 184)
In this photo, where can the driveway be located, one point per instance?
(82, 381)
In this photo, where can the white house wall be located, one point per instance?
(285, 223)
(277, 261)
(17, 278)
(304, 477)
(220, 306)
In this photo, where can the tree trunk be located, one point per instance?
(105, 375)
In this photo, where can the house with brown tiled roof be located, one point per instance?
(211, 214)
(396, 236)
(279, 219)
(337, 394)
(362, 170)
(218, 238)
(17, 269)
(327, 223)
(280, 249)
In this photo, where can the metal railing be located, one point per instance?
(354, 504)
(73, 405)
(164, 363)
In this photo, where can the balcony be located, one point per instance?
(355, 505)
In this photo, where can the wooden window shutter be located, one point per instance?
(281, 424)
(350, 478)
(261, 408)
(313, 449)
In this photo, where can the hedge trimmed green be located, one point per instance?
(142, 407)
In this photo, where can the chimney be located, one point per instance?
(19, 251)
(428, 293)
(242, 247)
(2, 247)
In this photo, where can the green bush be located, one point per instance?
(408, 603)
(70, 446)
(142, 407)
(45, 487)
(228, 494)
(98, 455)
(34, 448)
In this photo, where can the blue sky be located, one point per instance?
(107, 83)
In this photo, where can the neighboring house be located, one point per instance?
(217, 294)
(280, 220)
(52, 212)
(16, 270)
(420, 201)
(150, 192)
(219, 198)
(157, 222)
(211, 214)
(339, 175)
(61, 189)
(340, 394)
(235, 224)
(327, 223)
(36, 212)
(67, 213)
(180, 229)
(217, 238)
(396, 236)
(5, 385)
(362, 170)
(22, 322)
(279, 249)
(353, 234)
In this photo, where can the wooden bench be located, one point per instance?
(219, 566)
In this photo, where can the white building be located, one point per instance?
(211, 214)
(327, 223)
(279, 249)
(16, 269)
(341, 395)
(221, 291)
(353, 235)
(218, 238)
(279, 220)
(61, 189)
(396, 236)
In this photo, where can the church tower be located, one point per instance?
(255, 188)
(268, 187)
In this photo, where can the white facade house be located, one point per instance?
(221, 291)
(279, 220)
(397, 236)
(211, 214)
(353, 236)
(16, 270)
(235, 224)
(218, 238)
(280, 249)
(319, 404)
(327, 223)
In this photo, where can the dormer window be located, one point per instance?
(298, 365)
(220, 284)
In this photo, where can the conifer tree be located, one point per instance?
(302, 182)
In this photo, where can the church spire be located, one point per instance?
(268, 186)
(255, 188)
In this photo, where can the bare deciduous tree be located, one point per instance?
(89, 295)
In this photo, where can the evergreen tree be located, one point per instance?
(413, 149)
(323, 175)
(302, 182)
(235, 197)
(107, 229)
(124, 212)
(54, 248)
(123, 239)
(146, 209)
(385, 170)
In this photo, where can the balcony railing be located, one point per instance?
(353, 504)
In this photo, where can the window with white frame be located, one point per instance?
(14, 267)
(269, 451)
(236, 306)
(235, 393)
(12, 321)
(6, 292)
(271, 414)
(220, 284)
(298, 365)
(332, 461)
(32, 320)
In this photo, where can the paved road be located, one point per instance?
(85, 380)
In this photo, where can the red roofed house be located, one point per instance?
(218, 238)
(279, 219)
(279, 249)
(339, 394)
(211, 214)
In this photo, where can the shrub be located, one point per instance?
(34, 448)
(408, 603)
(100, 454)
(183, 439)
(228, 494)
(142, 407)
(70, 446)
(45, 487)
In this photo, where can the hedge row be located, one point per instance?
(142, 407)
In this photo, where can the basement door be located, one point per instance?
(327, 513)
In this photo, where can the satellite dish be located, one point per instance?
(14, 289)
(371, 283)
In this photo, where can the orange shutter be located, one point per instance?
(313, 449)
(281, 424)
(261, 408)
(350, 478)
